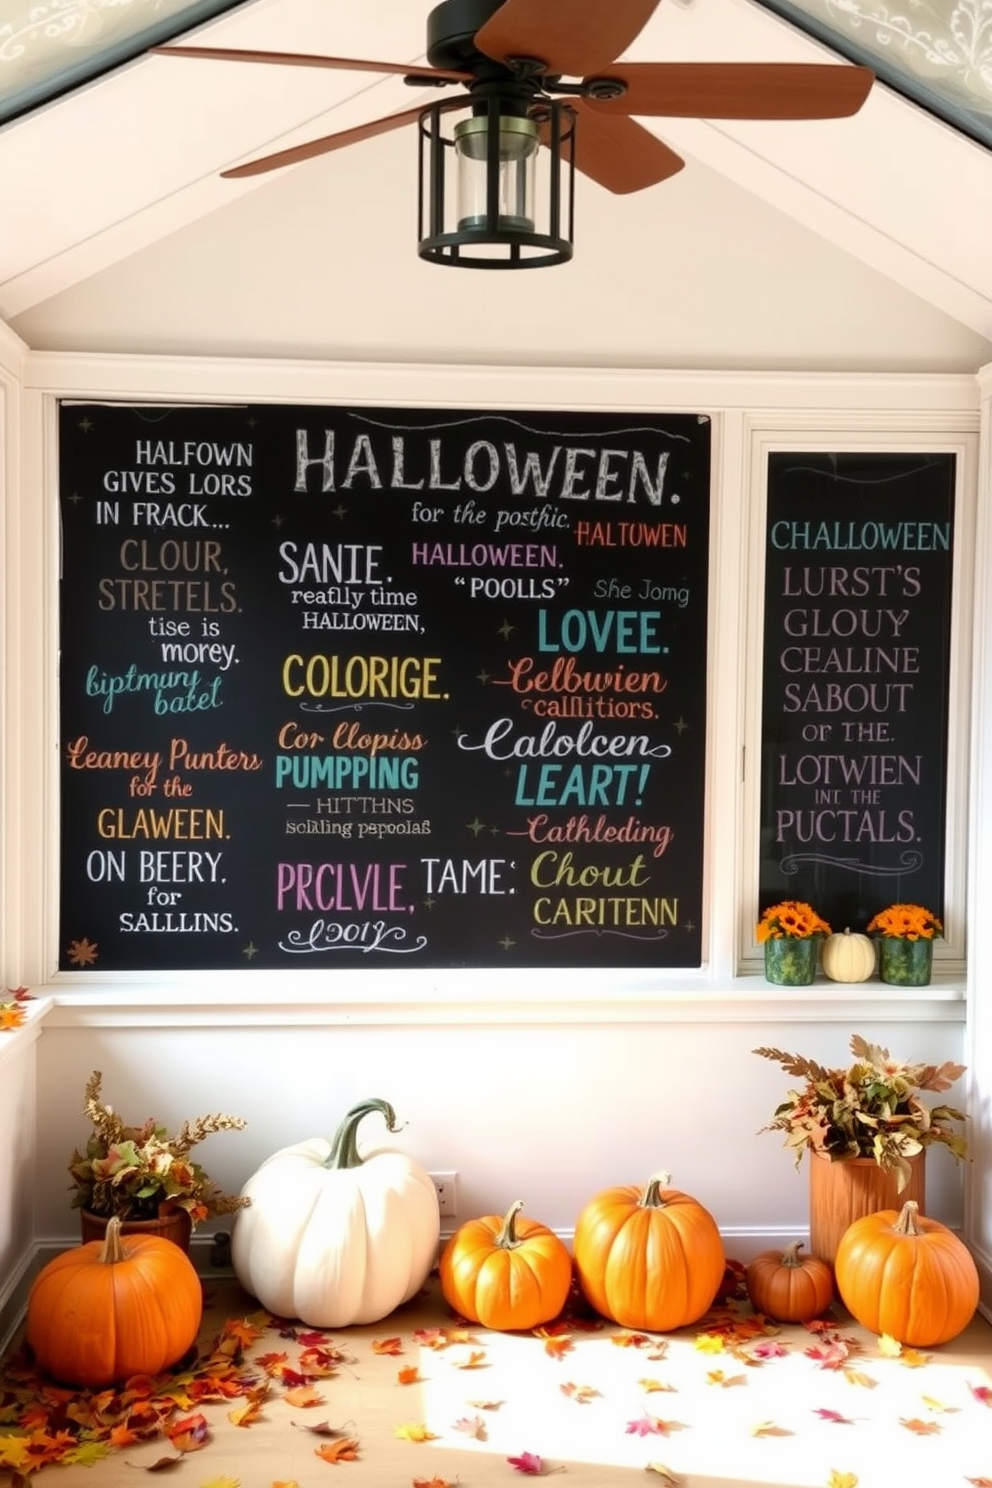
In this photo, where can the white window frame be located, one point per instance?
(817, 436)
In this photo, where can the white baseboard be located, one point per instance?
(209, 1255)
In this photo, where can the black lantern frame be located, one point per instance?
(491, 240)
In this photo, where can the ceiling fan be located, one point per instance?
(544, 73)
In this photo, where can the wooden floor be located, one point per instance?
(421, 1399)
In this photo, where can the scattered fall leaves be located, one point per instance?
(12, 1010)
(258, 1361)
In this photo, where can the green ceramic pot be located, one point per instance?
(790, 962)
(905, 963)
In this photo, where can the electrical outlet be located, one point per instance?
(446, 1187)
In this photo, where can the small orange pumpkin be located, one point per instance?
(648, 1259)
(907, 1276)
(789, 1287)
(109, 1309)
(506, 1274)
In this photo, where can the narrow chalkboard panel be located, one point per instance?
(370, 687)
(857, 622)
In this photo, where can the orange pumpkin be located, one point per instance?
(907, 1276)
(109, 1309)
(789, 1287)
(651, 1259)
(506, 1273)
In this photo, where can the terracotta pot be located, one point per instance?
(176, 1226)
(841, 1192)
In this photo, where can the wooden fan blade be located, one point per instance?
(619, 153)
(573, 40)
(303, 59)
(738, 90)
(338, 141)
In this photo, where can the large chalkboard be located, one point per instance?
(356, 687)
(857, 625)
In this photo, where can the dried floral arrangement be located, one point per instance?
(872, 1109)
(140, 1172)
(792, 919)
(905, 922)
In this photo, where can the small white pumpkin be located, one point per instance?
(848, 957)
(334, 1238)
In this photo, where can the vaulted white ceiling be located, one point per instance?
(851, 244)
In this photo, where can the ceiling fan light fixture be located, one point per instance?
(490, 196)
(517, 148)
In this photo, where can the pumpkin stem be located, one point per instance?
(908, 1221)
(791, 1256)
(113, 1247)
(508, 1239)
(344, 1148)
(651, 1197)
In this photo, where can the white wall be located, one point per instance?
(547, 1112)
(18, 1171)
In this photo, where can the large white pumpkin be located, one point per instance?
(333, 1238)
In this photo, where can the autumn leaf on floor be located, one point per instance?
(431, 1337)
(12, 1016)
(473, 1426)
(769, 1428)
(304, 1397)
(409, 1376)
(665, 1473)
(582, 1394)
(939, 1406)
(980, 1482)
(858, 1377)
(190, 1434)
(250, 1412)
(556, 1346)
(889, 1347)
(285, 1483)
(387, 1345)
(982, 1393)
(222, 1482)
(273, 1364)
(529, 1463)
(653, 1426)
(913, 1359)
(770, 1350)
(313, 1338)
(833, 1356)
(414, 1431)
(709, 1343)
(344, 1450)
(652, 1386)
(321, 1363)
(162, 1464)
(323, 1428)
(432, 1483)
(476, 1360)
(825, 1414)
(492, 1405)
(921, 1428)
(630, 1340)
(842, 1480)
(246, 1330)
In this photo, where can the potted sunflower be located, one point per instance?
(145, 1174)
(791, 933)
(906, 934)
